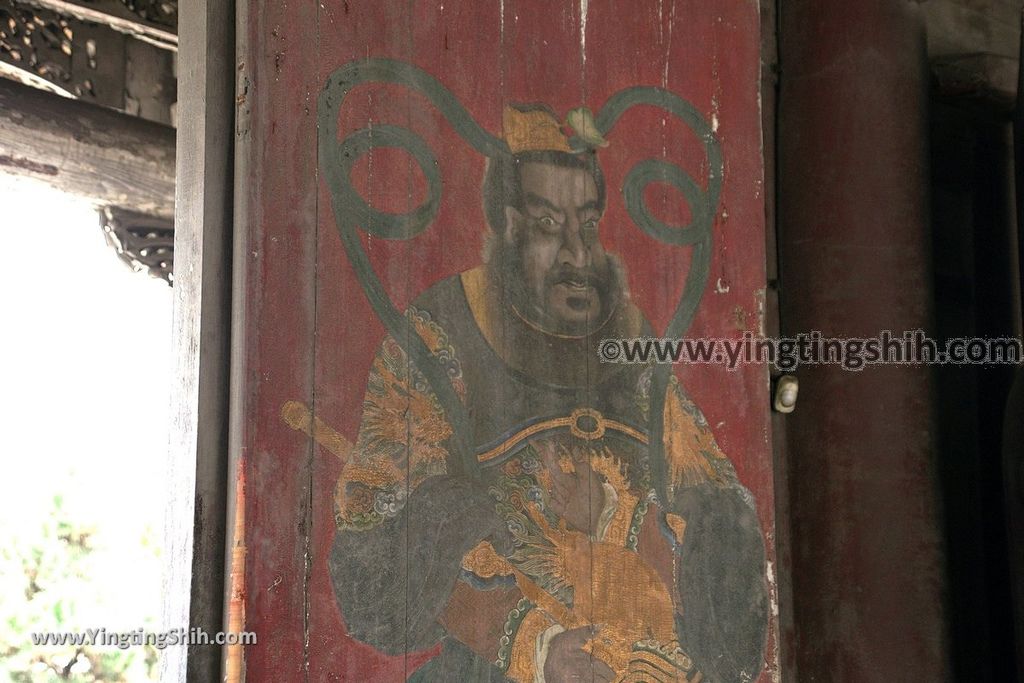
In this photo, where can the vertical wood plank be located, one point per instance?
(197, 462)
(276, 256)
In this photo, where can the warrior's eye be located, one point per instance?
(590, 225)
(547, 222)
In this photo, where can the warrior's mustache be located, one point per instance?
(584, 277)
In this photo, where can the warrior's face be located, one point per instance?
(566, 282)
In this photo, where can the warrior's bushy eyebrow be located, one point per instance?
(537, 200)
(531, 198)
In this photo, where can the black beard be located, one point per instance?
(505, 262)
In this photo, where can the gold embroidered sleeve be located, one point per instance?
(524, 645)
(691, 451)
(402, 434)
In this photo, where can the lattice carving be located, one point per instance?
(161, 12)
(91, 49)
(143, 242)
(39, 42)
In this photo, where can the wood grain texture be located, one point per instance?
(274, 303)
(198, 456)
(86, 150)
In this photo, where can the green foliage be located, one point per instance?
(48, 583)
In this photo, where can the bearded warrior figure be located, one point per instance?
(562, 560)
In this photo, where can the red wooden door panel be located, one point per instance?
(447, 209)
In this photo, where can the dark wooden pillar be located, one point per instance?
(867, 558)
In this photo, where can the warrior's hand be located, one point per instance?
(576, 492)
(567, 662)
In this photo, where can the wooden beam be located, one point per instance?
(86, 150)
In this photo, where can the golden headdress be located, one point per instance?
(535, 129)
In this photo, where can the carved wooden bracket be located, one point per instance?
(145, 243)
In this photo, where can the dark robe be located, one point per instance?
(427, 552)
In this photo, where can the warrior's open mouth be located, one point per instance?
(577, 283)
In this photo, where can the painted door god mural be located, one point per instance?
(503, 196)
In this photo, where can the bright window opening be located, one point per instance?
(85, 348)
